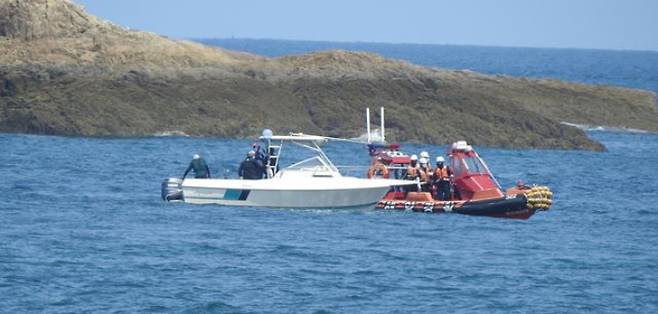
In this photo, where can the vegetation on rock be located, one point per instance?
(65, 72)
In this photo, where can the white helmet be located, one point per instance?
(414, 158)
(423, 160)
(425, 155)
(196, 156)
(440, 159)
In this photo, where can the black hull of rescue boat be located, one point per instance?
(514, 208)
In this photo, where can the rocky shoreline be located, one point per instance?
(73, 74)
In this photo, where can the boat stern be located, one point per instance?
(172, 190)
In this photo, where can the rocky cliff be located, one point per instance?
(65, 72)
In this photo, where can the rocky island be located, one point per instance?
(65, 72)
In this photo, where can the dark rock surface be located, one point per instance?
(65, 72)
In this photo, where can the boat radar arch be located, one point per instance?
(298, 137)
(382, 127)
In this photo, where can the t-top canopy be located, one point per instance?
(296, 137)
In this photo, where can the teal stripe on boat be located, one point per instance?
(232, 195)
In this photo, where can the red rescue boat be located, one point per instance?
(473, 188)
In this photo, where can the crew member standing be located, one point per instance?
(425, 174)
(442, 179)
(200, 167)
(413, 173)
(251, 168)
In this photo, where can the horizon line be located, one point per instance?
(416, 44)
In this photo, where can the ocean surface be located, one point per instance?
(82, 230)
(636, 69)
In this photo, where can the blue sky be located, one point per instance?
(603, 24)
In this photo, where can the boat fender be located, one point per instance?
(408, 206)
(377, 168)
(447, 207)
(428, 207)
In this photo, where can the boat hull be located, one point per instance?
(515, 207)
(273, 193)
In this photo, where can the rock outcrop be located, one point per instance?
(65, 72)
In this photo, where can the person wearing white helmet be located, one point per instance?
(200, 167)
(441, 179)
(425, 155)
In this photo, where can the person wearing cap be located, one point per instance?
(441, 179)
(260, 154)
(260, 157)
(200, 167)
(251, 168)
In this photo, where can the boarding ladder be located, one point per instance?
(272, 162)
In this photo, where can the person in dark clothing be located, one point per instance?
(251, 168)
(260, 154)
(200, 167)
(441, 180)
(260, 157)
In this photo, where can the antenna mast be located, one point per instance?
(382, 125)
(368, 125)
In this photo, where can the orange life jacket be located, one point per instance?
(425, 174)
(412, 172)
(441, 174)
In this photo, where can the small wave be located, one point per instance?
(600, 128)
(214, 307)
(174, 133)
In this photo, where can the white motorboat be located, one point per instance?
(314, 182)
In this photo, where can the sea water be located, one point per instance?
(82, 229)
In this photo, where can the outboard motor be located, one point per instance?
(172, 190)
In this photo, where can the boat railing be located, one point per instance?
(353, 171)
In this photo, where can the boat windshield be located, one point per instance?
(474, 165)
(313, 164)
(470, 165)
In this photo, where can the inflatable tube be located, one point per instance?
(377, 168)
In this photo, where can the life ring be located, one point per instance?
(376, 168)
